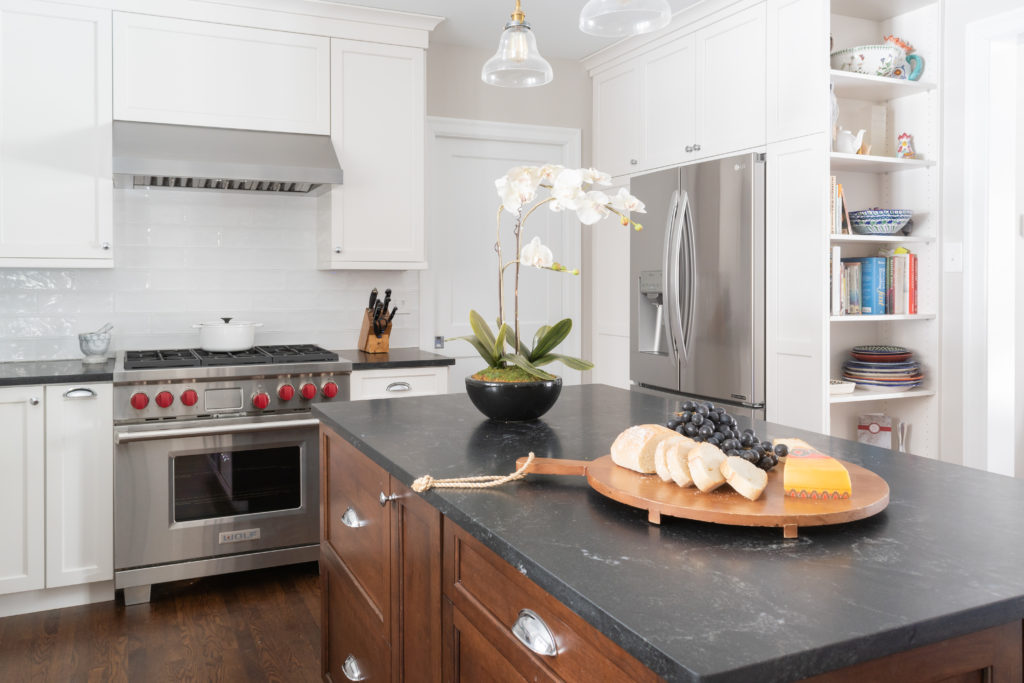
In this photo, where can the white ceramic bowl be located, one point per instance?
(874, 60)
(94, 345)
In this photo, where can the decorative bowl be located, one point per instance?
(874, 60)
(513, 401)
(879, 221)
(94, 346)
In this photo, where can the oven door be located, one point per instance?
(211, 488)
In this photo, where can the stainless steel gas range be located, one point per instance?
(216, 460)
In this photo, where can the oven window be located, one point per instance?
(224, 484)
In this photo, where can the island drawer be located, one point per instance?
(352, 651)
(356, 525)
(398, 382)
(493, 595)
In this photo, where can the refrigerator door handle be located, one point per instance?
(668, 293)
(676, 278)
(691, 271)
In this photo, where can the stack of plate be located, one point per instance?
(883, 368)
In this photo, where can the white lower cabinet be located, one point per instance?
(397, 382)
(56, 492)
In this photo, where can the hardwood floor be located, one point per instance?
(261, 625)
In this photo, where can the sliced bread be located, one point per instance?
(747, 478)
(676, 460)
(705, 463)
(634, 448)
(660, 459)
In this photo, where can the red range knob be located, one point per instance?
(308, 391)
(260, 401)
(330, 389)
(286, 392)
(189, 397)
(164, 399)
(139, 401)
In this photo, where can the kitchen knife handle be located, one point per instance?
(555, 466)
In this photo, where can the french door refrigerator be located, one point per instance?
(697, 274)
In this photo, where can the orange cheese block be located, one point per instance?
(812, 474)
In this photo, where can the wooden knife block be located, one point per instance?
(368, 341)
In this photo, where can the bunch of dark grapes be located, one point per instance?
(708, 423)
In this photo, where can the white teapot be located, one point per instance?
(847, 142)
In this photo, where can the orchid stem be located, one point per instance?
(501, 271)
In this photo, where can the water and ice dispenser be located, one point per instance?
(652, 330)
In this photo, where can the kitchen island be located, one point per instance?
(692, 600)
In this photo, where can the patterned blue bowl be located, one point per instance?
(879, 221)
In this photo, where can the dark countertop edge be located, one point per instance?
(815, 662)
(103, 373)
(382, 361)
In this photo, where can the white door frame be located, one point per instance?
(569, 142)
(990, 208)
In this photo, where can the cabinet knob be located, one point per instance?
(351, 669)
(633, 162)
(337, 250)
(33, 401)
(384, 500)
(532, 632)
(696, 148)
(351, 519)
(105, 246)
(689, 148)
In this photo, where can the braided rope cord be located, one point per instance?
(427, 482)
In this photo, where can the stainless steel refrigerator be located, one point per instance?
(697, 274)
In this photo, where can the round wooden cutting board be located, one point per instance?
(723, 505)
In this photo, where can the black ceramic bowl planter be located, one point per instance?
(513, 401)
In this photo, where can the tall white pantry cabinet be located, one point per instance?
(788, 116)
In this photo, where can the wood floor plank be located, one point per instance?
(253, 626)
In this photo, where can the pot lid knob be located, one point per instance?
(226, 320)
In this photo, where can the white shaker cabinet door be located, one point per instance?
(375, 220)
(731, 83)
(197, 73)
(21, 489)
(79, 484)
(797, 31)
(668, 104)
(617, 120)
(56, 189)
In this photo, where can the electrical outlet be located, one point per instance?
(438, 342)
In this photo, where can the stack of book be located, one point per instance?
(839, 214)
(874, 285)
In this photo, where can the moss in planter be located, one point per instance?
(512, 374)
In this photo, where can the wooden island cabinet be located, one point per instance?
(408, 595)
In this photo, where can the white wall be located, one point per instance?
(182, 257)
(1019, 418)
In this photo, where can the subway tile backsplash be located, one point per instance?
(182, 257)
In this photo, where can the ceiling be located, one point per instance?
(478, 23)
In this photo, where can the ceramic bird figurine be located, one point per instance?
(904, 150)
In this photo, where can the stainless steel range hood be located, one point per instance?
(163, 155)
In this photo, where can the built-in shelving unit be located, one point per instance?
(885, 108)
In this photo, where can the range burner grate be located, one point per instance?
(253, 356)
(298, 353)
(259, 355)
(165, 358)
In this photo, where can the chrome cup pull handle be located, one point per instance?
(80, 392)
(351, 519)
(350, 667)
(532, 632)
(399, 386)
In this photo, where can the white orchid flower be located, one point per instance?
(595, 177)
(592, 207)
(518, 187)
(625, 202)
(567, 189)
(536, 254)
(548, 172)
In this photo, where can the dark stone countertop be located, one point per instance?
(704, 602)
(54, 372)
(395, 358)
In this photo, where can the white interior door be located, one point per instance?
(464, 159)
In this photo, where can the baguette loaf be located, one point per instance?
(705, 463)
(676, 460)
(634, 448)
(747, 478)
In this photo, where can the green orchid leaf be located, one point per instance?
(520, 360)
(568, 361)
(485, 353)
(511, 341)
(541, 331)
(481, 329)
(499, 344)
(554, 336)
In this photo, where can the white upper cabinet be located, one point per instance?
(617, 120)
(797, 68)
(731, 83)
(55, 139)
(202, 74)
(375, 220)
(22, 462)
(669, 80)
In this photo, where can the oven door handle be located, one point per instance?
(128, 437)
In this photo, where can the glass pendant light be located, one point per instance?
(621, 18)
(517, 63)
